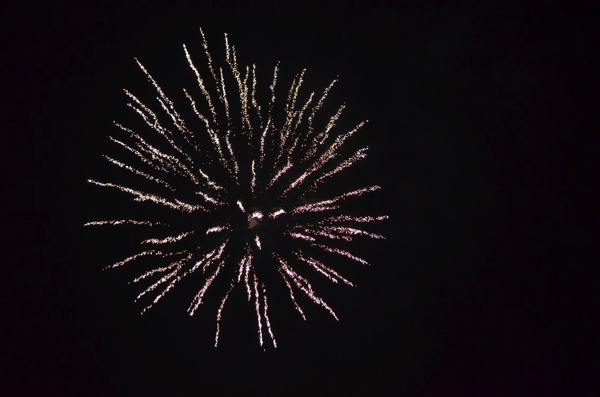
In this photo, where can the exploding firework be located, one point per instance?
(238, 187)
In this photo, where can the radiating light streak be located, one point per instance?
(305, 286)
(257, 307)
(124, 222)
(257, 241)
(266, 316)
(217, 229)
(141, 196)
(240, 205)
(277, 213)
(170, 239)
(219, 314)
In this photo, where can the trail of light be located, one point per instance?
(169, 239)
(360, 154)
(242, 264)
(269, 116)
(198, 298)
(257, 307)
(215, 254)
(154, 271)
(141, 196)
(302, 236)
(252, 95)
(137, 172)
(209, 59)
(322, 136)
(210, 199)
(357, 192)
(166, 103)
(174, 164)
(266, 316)
(208, 258)
(261, 157)
(154, 161)
(257, 241)
(171, 285)
(337, 232)
(341, 252)
(240, 205)
(313, 208)
(210, 182)
(347, 218)
(276, 213)
(124, 222)
(272, 87)
(201, 85)
(253, 183)
(242, 85)
(213, 136)
(177, 265)
(326, 233)
(316, 108)
(155, 125)
(219, 314)
(292, 294)
(281, 172)
(289, 110)
(299, 119)
(134, 257)
(321, 268)
(216, 229)
(304, 285)
(247, 273)
(351, 231)
(325, 157)
(228, 131)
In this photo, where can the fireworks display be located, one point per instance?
(237, 184)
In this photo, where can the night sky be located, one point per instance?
(472, 138)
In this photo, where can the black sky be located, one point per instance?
(472, 136)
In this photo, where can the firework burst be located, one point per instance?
(237, 185)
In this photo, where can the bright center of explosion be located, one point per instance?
(254, 219)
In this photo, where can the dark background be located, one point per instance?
(476, 136)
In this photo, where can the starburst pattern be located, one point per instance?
(235, 183)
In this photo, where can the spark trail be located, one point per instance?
(236, 181)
